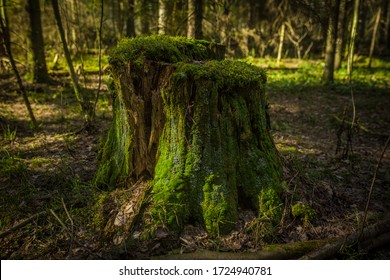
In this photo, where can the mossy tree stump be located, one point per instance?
(195, 126)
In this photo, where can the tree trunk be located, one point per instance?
(281, 42)
(362, 24)
(84, 104)
(162, 16)
(339, 52)
(195, 18)
(145, 16)
(328, 74)
(387, 29)
(197, 130)
(351, 49)
(130, 26)
(40, 74)
(374, 36)
(4, 29)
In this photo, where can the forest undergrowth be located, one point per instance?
(46, 176)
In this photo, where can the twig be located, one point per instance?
(71, 223)
(372, 186)
(59, 220)
(21, 224)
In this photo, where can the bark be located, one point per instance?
(40, 74)
(4, 29)
(189, 128)
(130, 26)
(342, 22)
(328, 74)
(374, 36)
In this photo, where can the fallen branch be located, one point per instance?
(22, 224)
(371, 238)
(374, 236)
(269, 252)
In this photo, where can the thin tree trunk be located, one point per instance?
(77, 89)
(387, 29)
(145, 15)
(130, 25)
(40, 74)
(351, 48)
(73, 26)
(162, 16)
(363, 7)
(191, 19)
(198, 19)
(195, 18)
(374, 35)
(328, 75)
(340, 35)
(281, 42)
(4, 27)
(100, 55)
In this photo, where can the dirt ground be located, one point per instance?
(51, 170)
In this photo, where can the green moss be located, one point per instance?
(115, 161)
(226, 74)
(219, 216)
(304, 212)
(162, 48)
(200, 161)
(214, 151)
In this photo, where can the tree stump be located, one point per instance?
(193, 124)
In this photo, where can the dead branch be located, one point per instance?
(372, 184)
(372, 237)
(22, 224)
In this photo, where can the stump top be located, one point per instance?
(225, 73)
(165, 49)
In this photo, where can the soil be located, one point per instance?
(51, 170)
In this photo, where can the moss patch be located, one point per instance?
(115, 157)
(214, 146)
(304, 212)
(163, 49)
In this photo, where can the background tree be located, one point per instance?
(340, 42)
(331, 35)
(40, 74)
(162, 16)
(130, 23)
(4, 29)
(195, 18)
(83, 102)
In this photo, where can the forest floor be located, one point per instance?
(47, 175)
